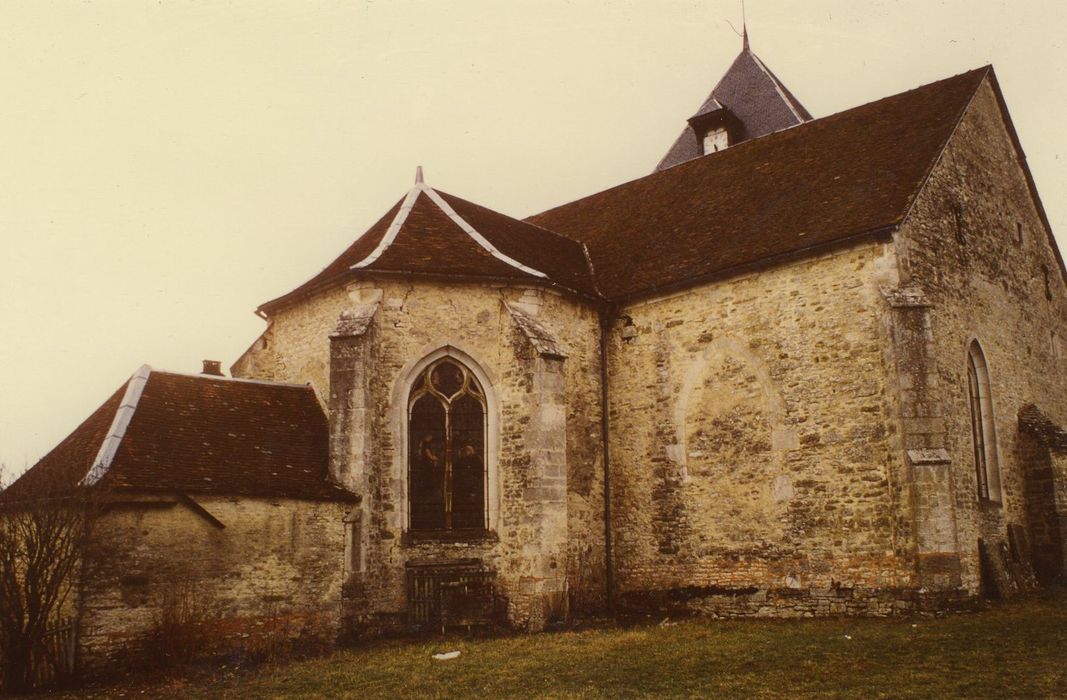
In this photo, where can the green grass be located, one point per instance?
(1011, 650)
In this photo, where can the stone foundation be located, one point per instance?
(795, 602)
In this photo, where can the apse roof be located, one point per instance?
(430, 232)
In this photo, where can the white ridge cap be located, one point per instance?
(478, 238)
(394, 227)
(405, 209)
(109, 447)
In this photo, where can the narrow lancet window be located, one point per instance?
(983, 429)
(447, 466)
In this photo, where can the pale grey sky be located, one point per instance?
(166, 167)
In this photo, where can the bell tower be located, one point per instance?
(748, 102)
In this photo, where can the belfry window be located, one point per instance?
(447, 449)
(716, 140)
(983, 429)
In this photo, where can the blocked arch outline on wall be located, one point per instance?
(399, 425)
(988, 419)
(775, 404)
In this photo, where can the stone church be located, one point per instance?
(806, 366)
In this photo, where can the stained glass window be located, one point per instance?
(446, 434)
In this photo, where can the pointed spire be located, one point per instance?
(418, 175)
(744, 28)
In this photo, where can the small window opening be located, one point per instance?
(1019, 235)
(1048, 282)
(716, 140)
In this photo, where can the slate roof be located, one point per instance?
(817, 183)
(435, 233)
(196, 434)
(755, 97)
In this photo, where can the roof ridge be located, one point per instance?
(123, 415)
(222, 378)
(760, 139)
(405, 209)
(395, 225)
(779, 88)
(481, 240)
(557, 234)
(580, 244)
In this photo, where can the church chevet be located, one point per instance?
(807, 366)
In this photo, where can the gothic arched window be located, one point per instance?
(446, 439)
(983, 429)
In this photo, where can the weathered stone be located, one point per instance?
(274, 564)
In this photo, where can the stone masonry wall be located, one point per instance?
(548, 539)
(273, 572)
(976, 247)
(754, 446)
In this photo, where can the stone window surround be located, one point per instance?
(989, 424)
(398, 421)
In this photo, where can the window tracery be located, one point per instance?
(447, 463)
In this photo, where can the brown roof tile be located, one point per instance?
(198, 434)
(430, 242)
(813, 184)
(70, 460)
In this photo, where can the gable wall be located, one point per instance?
(754, 450)
(958, 246)
(546, 541)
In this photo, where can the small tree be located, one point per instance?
(43, 530)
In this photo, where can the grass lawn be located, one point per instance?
(1009, 650)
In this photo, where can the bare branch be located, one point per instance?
(42, 538)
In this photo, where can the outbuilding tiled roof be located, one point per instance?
(435, 233)
(196, 434)
(69, 462)
(819, 182)
(754, 96)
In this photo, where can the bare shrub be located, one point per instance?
(43, 531)
(181, 628)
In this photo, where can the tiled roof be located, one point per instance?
(819, 182)
(198, 434)
(434, 233)
(755, 97)
(69, 462)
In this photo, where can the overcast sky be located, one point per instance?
(165, 167)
